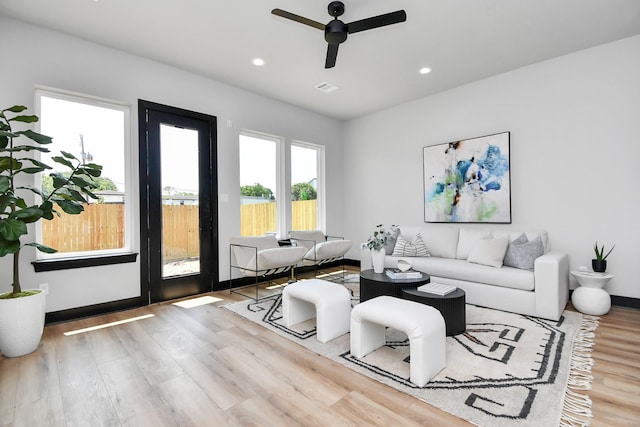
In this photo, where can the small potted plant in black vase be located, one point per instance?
(599, 264)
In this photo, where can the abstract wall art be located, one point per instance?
(468, 180)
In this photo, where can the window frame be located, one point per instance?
(321, 217)
(65, 260)
(281, 193)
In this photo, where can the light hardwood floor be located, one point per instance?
(206, 366)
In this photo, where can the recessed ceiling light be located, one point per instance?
(425, 70)
(258, 62)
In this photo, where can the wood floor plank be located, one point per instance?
(84, 395)
(189, 404)
(136, 402)
(155, 364)
(38, 398)
(8, 387)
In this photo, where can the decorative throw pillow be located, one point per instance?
(467, 240)
(391, 241)
(523, 254)
(415, 248)
(489, 252)
(510, 256)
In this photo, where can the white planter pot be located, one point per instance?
(21, 324)
(377, 260)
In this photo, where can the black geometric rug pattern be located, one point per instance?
(505, 369)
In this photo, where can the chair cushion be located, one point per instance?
(329, 249)
(307, 237)
(278, 257)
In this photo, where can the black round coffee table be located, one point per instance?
(451, 306)
(376, 284)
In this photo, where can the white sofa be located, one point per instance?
(462, 256)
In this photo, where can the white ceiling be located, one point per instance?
(461, 40)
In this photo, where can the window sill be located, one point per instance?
(66, 264)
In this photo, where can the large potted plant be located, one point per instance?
(22, 310)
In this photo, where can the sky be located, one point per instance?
(102, 131)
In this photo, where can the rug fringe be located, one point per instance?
(576, 409)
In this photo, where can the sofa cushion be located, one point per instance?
(522, 253)
(456, 269)
(440, 240)
(489, 252)
(468, 239)
(414, 248)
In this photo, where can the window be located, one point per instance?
(306, 187)
(93, 130)
(259, 184)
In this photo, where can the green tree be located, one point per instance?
(257, 190)
(303, 191)
(102, 183)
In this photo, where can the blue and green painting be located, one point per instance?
(468, 180)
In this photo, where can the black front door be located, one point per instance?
(178, 202)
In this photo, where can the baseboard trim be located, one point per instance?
(626, 302)
(93, 310)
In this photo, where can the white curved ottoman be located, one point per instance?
(328, 302)
(423, 325)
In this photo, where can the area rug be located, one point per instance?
(505, 370)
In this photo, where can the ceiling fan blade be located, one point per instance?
(377, 21)
(298, 18)
(332, 54)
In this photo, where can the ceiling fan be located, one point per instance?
(336, 31)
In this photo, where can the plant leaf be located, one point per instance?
(12, 229)
(36, 137)
(24, 119)
(70, 207)
(68, 155)
(8, 246)
(47, 210)
(42, 248)
(16, 109)
(5, 184)
(17, 148)
(28, 215)
(63, 161)
(7, 164)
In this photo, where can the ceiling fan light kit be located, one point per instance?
(336, 31)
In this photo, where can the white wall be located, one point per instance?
(42, 57)
(575, 148)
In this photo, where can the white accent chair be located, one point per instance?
(328, 302)
(321, 249)
(423, 325)
(260, 257)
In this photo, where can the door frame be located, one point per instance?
(210, 200)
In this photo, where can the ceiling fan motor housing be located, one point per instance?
(335, 32)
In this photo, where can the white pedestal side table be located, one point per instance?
(589, 297)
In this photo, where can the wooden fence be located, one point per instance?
(101, 226)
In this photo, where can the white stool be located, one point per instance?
(328, 302)
(423, 325)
